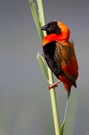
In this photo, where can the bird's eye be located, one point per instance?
(52, 26)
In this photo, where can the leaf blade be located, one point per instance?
(36, 18)
(43, 66)
(62, 128)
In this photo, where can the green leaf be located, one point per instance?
(43, 65)
(36, 18)
(62, 128)
(41, 14)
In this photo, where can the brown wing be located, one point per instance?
(64, 52)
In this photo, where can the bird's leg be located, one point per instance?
(53, 85)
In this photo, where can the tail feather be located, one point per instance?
(71, 79)
(68, 92)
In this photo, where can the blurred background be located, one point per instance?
(25, 107)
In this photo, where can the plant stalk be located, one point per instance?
(41, 19)
(54, 104)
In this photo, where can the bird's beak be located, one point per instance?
(44, 27)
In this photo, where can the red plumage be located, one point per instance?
(60, 54)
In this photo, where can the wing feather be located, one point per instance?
(64, 52)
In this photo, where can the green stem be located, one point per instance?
(66, 108)
(41, 18)
(41, 12)
(54, 105)
(52, 91)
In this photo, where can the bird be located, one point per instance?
(59, 54)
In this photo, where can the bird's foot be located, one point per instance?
(50, 86)
(53, 85)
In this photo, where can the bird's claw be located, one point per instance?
(52, 86)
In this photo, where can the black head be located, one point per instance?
(51, 28)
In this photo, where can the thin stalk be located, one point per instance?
(63, 123)
(52, 91)
(36, 18)
(41, 14)
(66, 108)
(41, 18)
(54, 105)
